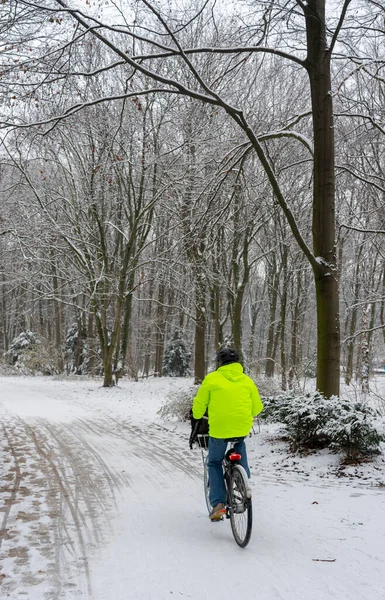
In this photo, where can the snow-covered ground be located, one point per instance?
(102, 500)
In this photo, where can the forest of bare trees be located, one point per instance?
(195, 167)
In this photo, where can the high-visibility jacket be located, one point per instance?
(232, 400)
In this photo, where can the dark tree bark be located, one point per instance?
(353, 318)
(282, 321)
(324, 236)
(273, 287)
(200, 331)
(4, 312)
(57, 312)
(160, 331)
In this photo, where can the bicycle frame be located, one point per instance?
(238, 492)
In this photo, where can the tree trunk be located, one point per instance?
(325, 272)
(199, 354)
(270, 357)
(4, 316)
(79, 346)
(91, 344)
(295, 321)
(107, 364)
(237, 321)
(382, 308)
(353, 320)
(216, 316)
(160, 332)
(124, 334)
(282, 324)
(57, 311)
(365, 352)
(240, 288)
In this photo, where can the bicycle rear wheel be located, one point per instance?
(240, 506)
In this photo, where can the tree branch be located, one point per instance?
(380, 231)
(76, 107)
(343, 168)
(359, 115)
(287, 133)
(339, 25)
(215, 50)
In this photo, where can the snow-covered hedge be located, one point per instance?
(353, 428)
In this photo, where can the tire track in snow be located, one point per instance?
(72, 478)
(25, 532)
(79, 495)
(166, 452)
(66, 497)
(14, 490)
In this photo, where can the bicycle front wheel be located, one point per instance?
(240, 506)
(206, 483)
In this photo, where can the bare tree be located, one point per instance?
(192, 52)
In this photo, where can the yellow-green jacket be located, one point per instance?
(232, 400)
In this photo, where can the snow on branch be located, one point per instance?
(81, 105)
(361, 116)
(288, 133)
(350, 338)
(375, 185)
(217, 50)
(361, 230)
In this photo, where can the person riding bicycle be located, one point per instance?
(232, 401)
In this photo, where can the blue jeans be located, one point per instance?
(217, 450)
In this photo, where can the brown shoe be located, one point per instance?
(217, 512)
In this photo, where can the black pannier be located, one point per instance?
(199, 431)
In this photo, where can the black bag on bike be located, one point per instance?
(199, 427)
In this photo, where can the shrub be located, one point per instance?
(25, 341)
(178, 404)
(30, 355)
(177, 358)
(357, 431)
(41, 360)
(315, 422)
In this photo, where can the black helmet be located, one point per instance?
(227, 356)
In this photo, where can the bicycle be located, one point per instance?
(238, 493)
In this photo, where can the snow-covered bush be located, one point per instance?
(178, 404)
(29, 354)
(357, 431)
(315, 422)
(304, 417)
(26, 340)
(176, 362)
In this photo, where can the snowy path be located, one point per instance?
(100, 502)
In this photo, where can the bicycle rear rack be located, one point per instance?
(203, 441)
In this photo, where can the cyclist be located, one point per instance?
(232, 400)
